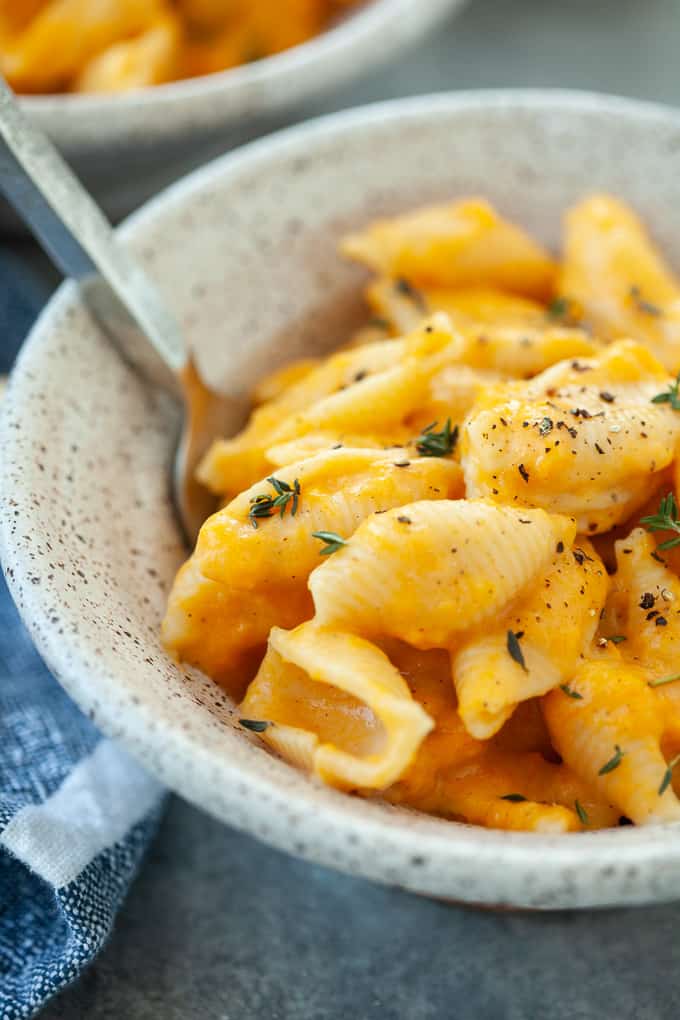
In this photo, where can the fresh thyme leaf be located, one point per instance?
(664, 680)
(333, 541)
(378, 323)
(670, 396)
(581, 812)
(406, 288)
(437, 444)
(558, 308)
(613, 762)
(514, 798)
(255, 725)
(267, 506)
(515, 650)
(615, 639)
(571, 693)
(643, 306)
(665, 520)
(668, 775)
(280, 487)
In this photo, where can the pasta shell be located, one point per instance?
(610, 736)
(361, 670)
(582, 450)
(460, 244)
(618, 280)
(429, 571)
(556, 620)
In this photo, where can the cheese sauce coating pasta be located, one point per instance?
(446, 571)
(118, 45)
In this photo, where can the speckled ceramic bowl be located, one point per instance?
(245, 251)
(126, 146)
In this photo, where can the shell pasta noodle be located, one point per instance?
(446, 567)
(118, 45)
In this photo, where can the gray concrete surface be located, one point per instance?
(220, 927)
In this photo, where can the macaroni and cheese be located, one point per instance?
(117, 45)
(446, 570)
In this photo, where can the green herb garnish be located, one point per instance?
(571, 693)
(665, 520)
(582, 813)
(643, 306)
(255, 725)
(663, 680)
(515, 650)
(668, 775)
(437, 444)
(406, 288)
(267, 506)
(558, 308)
(377, 322)
(333, 541)
(514, 798)
(615, 639)
(670, 396)
(613, 762)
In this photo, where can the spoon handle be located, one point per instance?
(79, 239)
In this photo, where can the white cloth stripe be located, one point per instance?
(104, 796)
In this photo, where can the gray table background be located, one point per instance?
(218, 926)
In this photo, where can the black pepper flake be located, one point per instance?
(504, 422)
(654, 555)
(647, 601)
(358, 376)
(402, 463)
(661, 621)
(599, 449)
(523, 472)
(609, 398)
(403, 519)
(559, 547)
(580, 412)
(652, 614)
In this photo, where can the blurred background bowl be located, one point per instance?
(126, 146)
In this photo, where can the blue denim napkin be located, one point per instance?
(76, 812)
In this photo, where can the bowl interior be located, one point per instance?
(245, 251)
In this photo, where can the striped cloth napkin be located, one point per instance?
(76, 812)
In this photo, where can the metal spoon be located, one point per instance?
(126, 304)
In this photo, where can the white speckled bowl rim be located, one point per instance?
(192, 750)
(361, 42)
